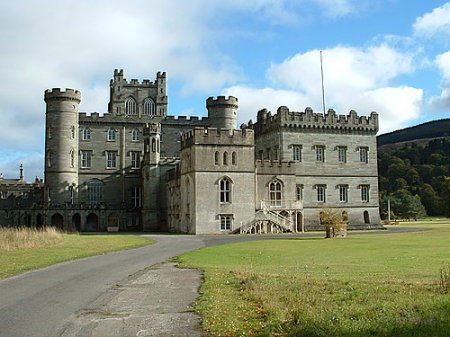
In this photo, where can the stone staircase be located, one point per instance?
(266, 221)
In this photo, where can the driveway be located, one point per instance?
(43, 302)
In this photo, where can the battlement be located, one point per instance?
(58, 94)
(274, 167)
(185, 120)
(214, 136)
(311, 120)
(221, 101)
(119, 78)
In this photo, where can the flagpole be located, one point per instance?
(323, 87)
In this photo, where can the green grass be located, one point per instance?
(363, 285)
(71, 246)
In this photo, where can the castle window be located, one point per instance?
(297, 152)
(94, 191)
(72, 158)
(216, 158)
(321, 193)
(135, 160)
(71, 193)
(233, 158)
(49, 132)
(299, 192)
(111, 159)
(225, 158)
(111, 135)
(153, 145)
(86, 159)
(130, 106)
(149, 107)
(365, 193)
(364, 154)
(275, 193)
(135, 135)
(86, 135)
(72, 132)
(342, 154)
(3, 195)
(225, 190)
(136, 196)
(225, 222)
(320, 154)
(49, 158)
(343, 193)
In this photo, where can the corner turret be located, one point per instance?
(222, 112)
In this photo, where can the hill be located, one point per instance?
(426, 132)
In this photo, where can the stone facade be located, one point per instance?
(137, 168)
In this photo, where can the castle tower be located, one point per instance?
(61, 144)
(222, 112)
(138, 99)
(151, 177)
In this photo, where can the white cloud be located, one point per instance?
(251, 100)
(355, 79)
(435, 22)
(442, 102)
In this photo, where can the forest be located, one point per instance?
(415, 179)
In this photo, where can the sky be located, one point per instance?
(388, 56)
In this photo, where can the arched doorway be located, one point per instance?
(39, 221)
(299, 222)
(57, 221)
(366, 217)
(92, 222)
(76, 222)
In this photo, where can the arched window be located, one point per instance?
(275, 193)
(216, 158)
(49, 158)
(130, 106)
(225, 190)
(233, 158)
(111, 135)
(153, 145)
(72, 132)
(225, 158)
(366, 217)
(149, 107)
(94, 191)
(135, 135)
(86, 134)
(72, 158)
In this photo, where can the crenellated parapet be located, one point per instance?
(62, 95)
(275, 167)
(214, 136)
(222, 101)
(315, 121)
(120, 79)
(185, 120)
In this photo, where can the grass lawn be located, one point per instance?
(67, 247)
(363, 285)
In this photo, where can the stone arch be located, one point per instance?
(76, 222)
(366, 217)
(57, 221)
(92, 222)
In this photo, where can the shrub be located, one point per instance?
(334, 224)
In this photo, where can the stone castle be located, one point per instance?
(137, 168)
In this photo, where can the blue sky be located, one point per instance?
(389, 56)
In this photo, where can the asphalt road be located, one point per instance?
(38, 303)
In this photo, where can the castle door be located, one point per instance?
(92, 222)
(39, 221)
(299, 222)
(76, 222)
(366, 217)
(57, 221)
